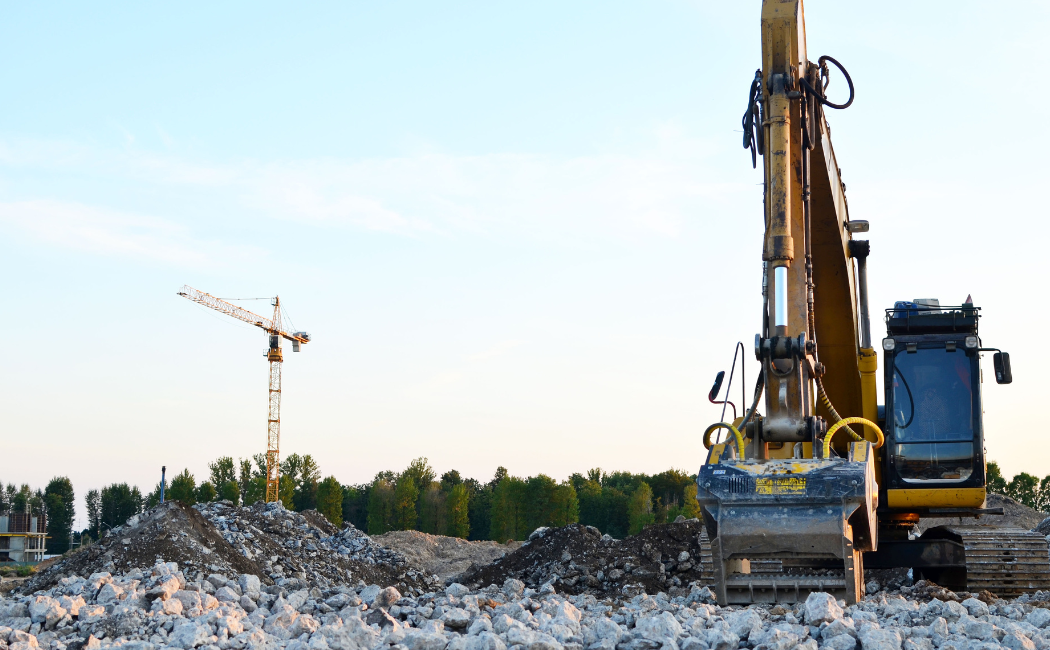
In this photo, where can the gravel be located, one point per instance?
(160, 607)
(446, 557)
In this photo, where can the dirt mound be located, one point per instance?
(170, 532)
(445, 557)
(1016, 515)
(304, 549)
(579, 559)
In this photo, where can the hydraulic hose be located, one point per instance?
(725, 425)
(842, 423)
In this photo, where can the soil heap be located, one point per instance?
(579, 559)
(446, 557)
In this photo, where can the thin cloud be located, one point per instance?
(109, 233)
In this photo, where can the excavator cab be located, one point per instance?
(934, 452)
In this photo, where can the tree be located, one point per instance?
(61, 508)
(355, 505)
(205, 492)
(330, 500)
(539, 501)
(640, 509)
(299, 476)
(433, 509)
(244, 477)
(1022, 489)
(508, 510)
(405, 496)
(589, 492)
(93, 505)
(565, 507)
(994, 477)
(380, 506)
(690, 506)
(183, 488)
(457, 507)
(222, 471)
(255, 490)
(230, 491)
(1043, 499)
(117, 503)
(480, 509)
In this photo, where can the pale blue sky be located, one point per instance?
(520, 235)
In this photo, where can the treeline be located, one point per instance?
(1023, 488)
(416, 498)
(509, 507)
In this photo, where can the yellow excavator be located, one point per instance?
(826, 480)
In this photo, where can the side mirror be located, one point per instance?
(718, 385)
(1003, 374)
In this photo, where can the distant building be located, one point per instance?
(22, 537)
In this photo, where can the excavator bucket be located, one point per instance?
(782, 529)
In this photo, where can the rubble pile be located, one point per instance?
(277, 546)
(578, 559)
(303, 549)
(160, 607)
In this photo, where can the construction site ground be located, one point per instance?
(221, 576)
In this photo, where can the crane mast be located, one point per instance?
(274, 329)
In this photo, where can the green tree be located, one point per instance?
(61, 508)
(480, 509)
(422, 475)
(565, 507)
(640, 509)
(117, 503)
(330, 500)
(230, 491)
(255, 490)
(405, 496)
(380, 506)
(539, 501)
(1022, 489)
(690, 506)
(994, 477)
(183, 488)
(244, 477)
(1043, 498)
(205, 492)
(299, 476)
(93, 505)
(433, 509)
(355, 505)
(509, 510)
(457, 507)
(222, 471)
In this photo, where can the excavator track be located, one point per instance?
(1004, 561)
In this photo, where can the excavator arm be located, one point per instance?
(784, 495)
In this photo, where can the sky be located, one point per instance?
(520, 234)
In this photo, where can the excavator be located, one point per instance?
(799, 498)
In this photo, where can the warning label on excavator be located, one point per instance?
(780, 485)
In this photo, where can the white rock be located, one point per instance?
(1017, 641)
(841, 642)
(742, 622)
(662, 627)
(457, 590)
(602, 635)
(188, 634)
(419, 640)
(108, 594)
(977, 629)
(226, 595)
(838, 628)
(369, 593)
(822, 608)
(513, 588)
(250, 586)
(722, 640)
(975, 607)
(872, 638)
(1038, 617)
(456, 618)
(484, 641)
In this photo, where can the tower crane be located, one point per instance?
(275, 332)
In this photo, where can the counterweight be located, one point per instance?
(275, 332)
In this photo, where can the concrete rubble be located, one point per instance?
(313, 587)
(158, 607)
